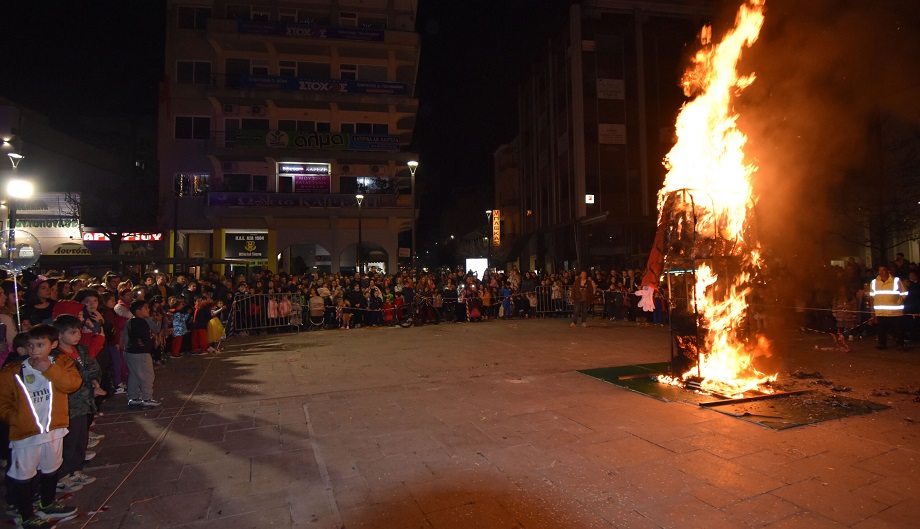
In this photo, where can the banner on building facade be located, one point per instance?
(342, 86)
(315, 140)
(309, 31)
(246, 246)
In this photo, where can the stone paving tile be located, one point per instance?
(226, 471)
(719, 445)
(405, 441)
(684, 511)
(713, 495)
(394, 469)
(173, 511)
(402, 514)
(226, 508)
(762, 510)
(550, 510)
(777, 465)
(644, 485)
(511, 458)
(807, 519)
(834, 471)
(623, 452)
(279, 517)
(483, 512)
(830, 502)
(729, 476)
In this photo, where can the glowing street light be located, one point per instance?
(358, 261)
(413, 166)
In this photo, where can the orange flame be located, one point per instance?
(708, 162)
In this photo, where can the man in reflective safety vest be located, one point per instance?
(888, 295)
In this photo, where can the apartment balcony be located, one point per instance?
(322, 201)
(289, 144)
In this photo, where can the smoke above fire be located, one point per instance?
(827, 72)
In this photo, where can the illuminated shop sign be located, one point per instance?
(126, 237)
(246, 246)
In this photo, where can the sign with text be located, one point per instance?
(307, 84)
(496, 228)
(309, 31)
(611, 89)
(611, 133)
(316, 140)
(125, 237)
(246, 246)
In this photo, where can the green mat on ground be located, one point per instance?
(777, 413)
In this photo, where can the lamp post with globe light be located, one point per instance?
(413, 166)
(489, 243)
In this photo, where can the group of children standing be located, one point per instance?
(51, 384)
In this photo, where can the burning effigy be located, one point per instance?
(706, 248)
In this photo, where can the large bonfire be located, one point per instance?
(708, 163)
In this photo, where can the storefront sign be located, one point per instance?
(246, 246)
(70, 248)
(496, 228)
(125, 237)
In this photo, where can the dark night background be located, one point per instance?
(823, 67)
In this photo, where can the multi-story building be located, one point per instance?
(274, 115)
(596, 119)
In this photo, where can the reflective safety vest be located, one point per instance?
(887, 297)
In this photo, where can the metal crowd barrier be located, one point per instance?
(547, 306)
(263, 312)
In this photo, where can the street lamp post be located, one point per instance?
(16, 188)
(413, 166)
(489, 243)
(358, 259)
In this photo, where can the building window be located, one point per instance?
(372, 73)
(259, 182)
(258, 67)
(254, 124)
(190, 184)
(306, 70)
(372, 21)
(348, 20)
(364, 128)
(193, 72)
(348, 71)
(291, 125)
(193, 17)
(381, 128)
(287, 68)
(323, 126)
(348, 128)
(237, 182)
(193, 128)
(260, 13)
(317, 18)
(287, 14)
(238, 12)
